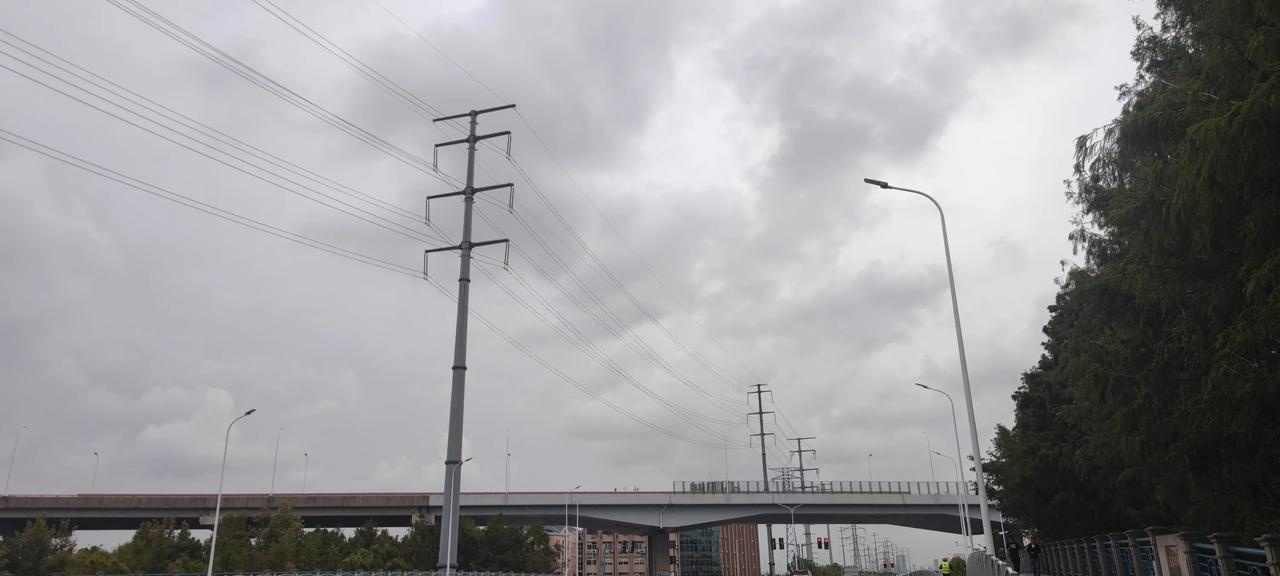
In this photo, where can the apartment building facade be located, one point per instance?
(729, 550)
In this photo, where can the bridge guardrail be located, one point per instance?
(922, 487)
(1138, 553)
(980, 563)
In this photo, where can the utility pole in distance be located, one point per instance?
(759, 393)
(800, 451)
(448, 557)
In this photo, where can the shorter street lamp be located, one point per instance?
(964, 485)
(960, 500)
(217, 510)
(453, 534)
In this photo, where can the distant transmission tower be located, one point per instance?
(800, 451)
(759, 393)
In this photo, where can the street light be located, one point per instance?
(567, 496)
(870, 476)
(94, 481)
(217, 510)
(964, 485)
(928, 445)
(274, 459)
(306, 464)
(12, 457)
(791, 531)
(450, 534)
(960, 502)
(964, 364)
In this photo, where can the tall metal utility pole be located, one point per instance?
(759, 393)
(800, 451)
(448, 559)
(830, 555)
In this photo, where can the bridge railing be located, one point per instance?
(980, 563)
(1159, 552)
(819, 487)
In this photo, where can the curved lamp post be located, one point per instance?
(451, 564)
(964, 485)
(960, 501)
(217, 510)
(964, 365)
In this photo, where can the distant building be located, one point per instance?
(730, 550)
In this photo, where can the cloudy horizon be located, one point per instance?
(711, 155)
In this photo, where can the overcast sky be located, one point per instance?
(710, 155)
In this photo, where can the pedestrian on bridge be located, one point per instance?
(1033, 552)
(1014, 551)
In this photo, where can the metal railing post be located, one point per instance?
(1135, 553)
(1271, 545)
(1187, 539)
(1222, 543)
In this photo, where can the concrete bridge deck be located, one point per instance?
(621, 511)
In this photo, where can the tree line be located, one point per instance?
(275, 540)
(1156, 398)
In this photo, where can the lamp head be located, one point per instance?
(874, 182)
(468, 460)
(251, 411)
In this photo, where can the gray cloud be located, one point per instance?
(137, 328)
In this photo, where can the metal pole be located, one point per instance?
(217, 510)
(506, 486)
(577, 531)
(928, 445)
(870, 476)
(94, 483)
(764, 468)
(964, 368)
(960, 501)
(453, 454)
(306, 464)
(274, 460)
(964, 485)
(830, 555)
(13, 456)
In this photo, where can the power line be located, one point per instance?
(182, 36)
(203, 48)
(422, 108)
(364, 215)
(186, 121)
(235, 218)
(581, 192)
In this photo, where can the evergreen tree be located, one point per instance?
(1155, 399)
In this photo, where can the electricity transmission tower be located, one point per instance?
(759, 393)
(800, 452)
(448, 558)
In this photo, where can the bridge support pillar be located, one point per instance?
(659, 545)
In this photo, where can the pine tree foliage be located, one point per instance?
(1156, 398)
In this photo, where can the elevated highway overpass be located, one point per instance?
(925, 505)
